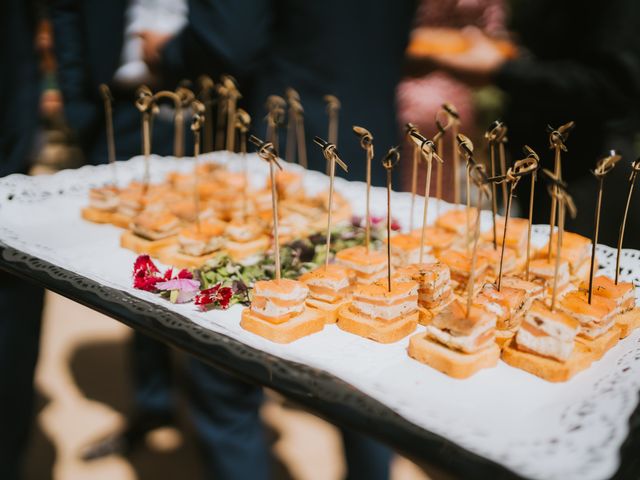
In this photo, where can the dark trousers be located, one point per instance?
(225, 412)
(20, 315)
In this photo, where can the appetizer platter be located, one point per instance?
(512, 408)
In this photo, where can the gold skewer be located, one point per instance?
(243, 122)
(232, 101)
(635, 169)
(478, 176)
(333, 109)
(454, 124)
(267, 152)
(197, 121)
(111, 144)
(556, 143)
(331, 155)
(465, 146)
(409, 128)
(389, 161)
(206, 89)
(366, 142)
(145, 104)
(604, 166)
(275, 116)
(427, 149)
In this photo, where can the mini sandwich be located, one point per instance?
(456, 220)
(185, 210)
(627, 316)
(278, 312)
(545, 345)
(434, 287)
(329, 289)
(507, 305)
(576, 250)
(405, 250)
(458, 344)
(181, 182)
(131, 203)
(292, 226)
(460, 265)
(155, 225)
(261, 201)
(341, 209)
(437, 238)
(289, 185)
(246, 242)
(542, 271)
(198, 242)
(368, 267)
(492, 256)
(597, 319)
(517, 231)
(379, 314)
(532, 291)
(104, 199)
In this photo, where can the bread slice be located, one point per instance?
(602, 344)
(547, 368)
(425, 315)
(120, 220)
(451, 362)
(131, 241)
(96, 215)
(310, 321)
(328, 310)
(380, 331)
(172, 256)
(503, 337)
(628, 322)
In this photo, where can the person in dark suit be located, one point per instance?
(348, 49)
(20, 301)
(578, 61)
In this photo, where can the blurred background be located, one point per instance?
(528, 63)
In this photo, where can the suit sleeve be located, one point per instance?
(222, 36)
(80, 110)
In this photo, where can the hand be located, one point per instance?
(478, 64)
(152, 45)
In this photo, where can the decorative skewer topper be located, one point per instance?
(267, 152)
(333, 109)
(557, 137)
(635, 170)
(389, 161)
(108, 113)
(233, 94)
(558, 190)
(366, 142)
(409, 128)
(454, 121)
(243, 122)
(331, 155)
(604, 166)
(527, 165)
(427, 149)
(275, 117)
(206, 97)
(145, 104)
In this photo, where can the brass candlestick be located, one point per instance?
(409, 129)
(292, 98)
(267, 152)
(635, 170)
(389, 161)
(427, 149)
(454, 122)
(243, 122)
(512, 177)
(333, 109)
(197, 122)
(534, 175)
(206, 97)
(107, 98)
(145, 104)
(221, 114)
(232, 100)
(366, 142)
(556, 143)
(275, 116)
(604, 166)
(558, 189)
(465, 147)
(478, 176)
(331, 155)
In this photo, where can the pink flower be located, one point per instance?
(376, 220)
(182, 290)
(395, 225)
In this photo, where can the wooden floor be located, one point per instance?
(84, 393)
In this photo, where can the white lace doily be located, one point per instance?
(535, 428)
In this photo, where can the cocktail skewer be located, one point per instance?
(389, 161)
(333, 110)
(635, 170)
(243, 122)
(206, 89)
(366, 142)
(409, 128)
(111, 144)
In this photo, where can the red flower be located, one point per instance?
(145, 274)
(215, 296)
(144, 264)
(184, 273)
(395, 225)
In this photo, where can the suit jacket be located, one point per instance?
(349, 48)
